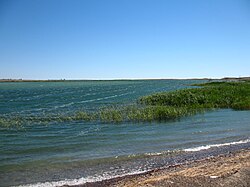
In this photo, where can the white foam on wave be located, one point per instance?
(204, 147)
(80, 180)
(104, 98)
(64, 105)
(90, 100)
(107, 176)
(153, 154)
(162, 153)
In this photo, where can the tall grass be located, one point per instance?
(211, 95)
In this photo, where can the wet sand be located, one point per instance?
(232, 169)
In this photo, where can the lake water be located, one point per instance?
(76, 151)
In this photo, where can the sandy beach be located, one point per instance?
(232, 169)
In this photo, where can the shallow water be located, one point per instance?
(91, 150)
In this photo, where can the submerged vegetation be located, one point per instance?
(134, 113)
(157, 107)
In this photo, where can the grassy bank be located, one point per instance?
(157, 107)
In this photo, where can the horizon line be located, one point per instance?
(110, 79)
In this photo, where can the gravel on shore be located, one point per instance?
(228, 170)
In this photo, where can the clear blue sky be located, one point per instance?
(103, 39)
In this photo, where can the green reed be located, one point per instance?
(235, 95)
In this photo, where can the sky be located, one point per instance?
(115, 39)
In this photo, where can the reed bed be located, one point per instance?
(235, 95)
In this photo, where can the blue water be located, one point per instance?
(76, 149)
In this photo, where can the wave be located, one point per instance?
(107, 175)
(204, 147)
(168, 152)
(72, 103)
(91, 100)
(194, 149)
(64, 105)
(80, 181)
(104, 98)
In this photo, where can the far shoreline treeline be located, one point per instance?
(128, 79)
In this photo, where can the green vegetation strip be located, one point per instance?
(157, 107)
(134, 113)
(235, 95)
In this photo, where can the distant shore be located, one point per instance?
(68, 80)
(232, 169)
(78, 80)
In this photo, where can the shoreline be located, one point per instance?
(125, 79)
(79, 80)
(165, 165)
(231, 169)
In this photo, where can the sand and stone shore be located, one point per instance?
(232, 169)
